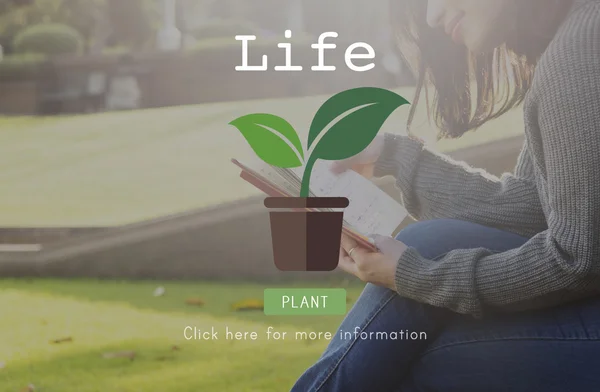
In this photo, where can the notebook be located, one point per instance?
(371, 211)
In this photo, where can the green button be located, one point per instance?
(305, 302)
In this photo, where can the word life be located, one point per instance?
(350, 56)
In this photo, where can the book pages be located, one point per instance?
(371, 210)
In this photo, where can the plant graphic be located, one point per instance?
(307, 238)
(342, 127)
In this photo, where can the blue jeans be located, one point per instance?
(552, 350)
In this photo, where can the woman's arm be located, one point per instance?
(562, 263)
(434, 186)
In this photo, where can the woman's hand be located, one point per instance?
(371, 267)
(364, 162)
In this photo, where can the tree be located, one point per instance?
(7, 5)
(83, 15)
(15, 15)
(134, 22)
(130, 23)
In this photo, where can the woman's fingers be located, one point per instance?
(338, 167)
(348, 244)
(364, 161)
(353, 250)
(346, 263)
(389, 246)
(372, 267)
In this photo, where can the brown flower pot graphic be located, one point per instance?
(305, 240)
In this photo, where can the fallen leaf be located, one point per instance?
(175, 348)
(159, 291)
(344, 283)
(63, 340)
(194, 301)
(120, 354)
(248, 304)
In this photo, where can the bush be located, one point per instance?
(49, 39)
(116, 51)
(19, 67)
(224, 29)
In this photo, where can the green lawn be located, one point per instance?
(122, 167)
(99, 318)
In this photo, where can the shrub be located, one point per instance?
(18, 67)
(49, 39)
(116, 51)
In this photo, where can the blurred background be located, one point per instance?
(122, 220)
(79, 56)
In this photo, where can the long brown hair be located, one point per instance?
(469, 88)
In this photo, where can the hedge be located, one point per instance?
(49, 39)
(19, 67)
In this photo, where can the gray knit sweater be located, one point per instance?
(553, 197)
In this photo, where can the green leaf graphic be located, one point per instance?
(351, 120)
(355, 117)
(267, 135)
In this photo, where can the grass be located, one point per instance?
(103, 317)
(122, 167)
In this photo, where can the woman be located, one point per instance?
(502, 274)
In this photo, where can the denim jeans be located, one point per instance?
(549, 350)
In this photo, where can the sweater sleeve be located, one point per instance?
(561, 263)
(433, 186)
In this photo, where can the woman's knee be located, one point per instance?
(530, 364)
(435, 238)
(427, 237)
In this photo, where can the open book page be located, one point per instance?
(272, 174)
(371, 210)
